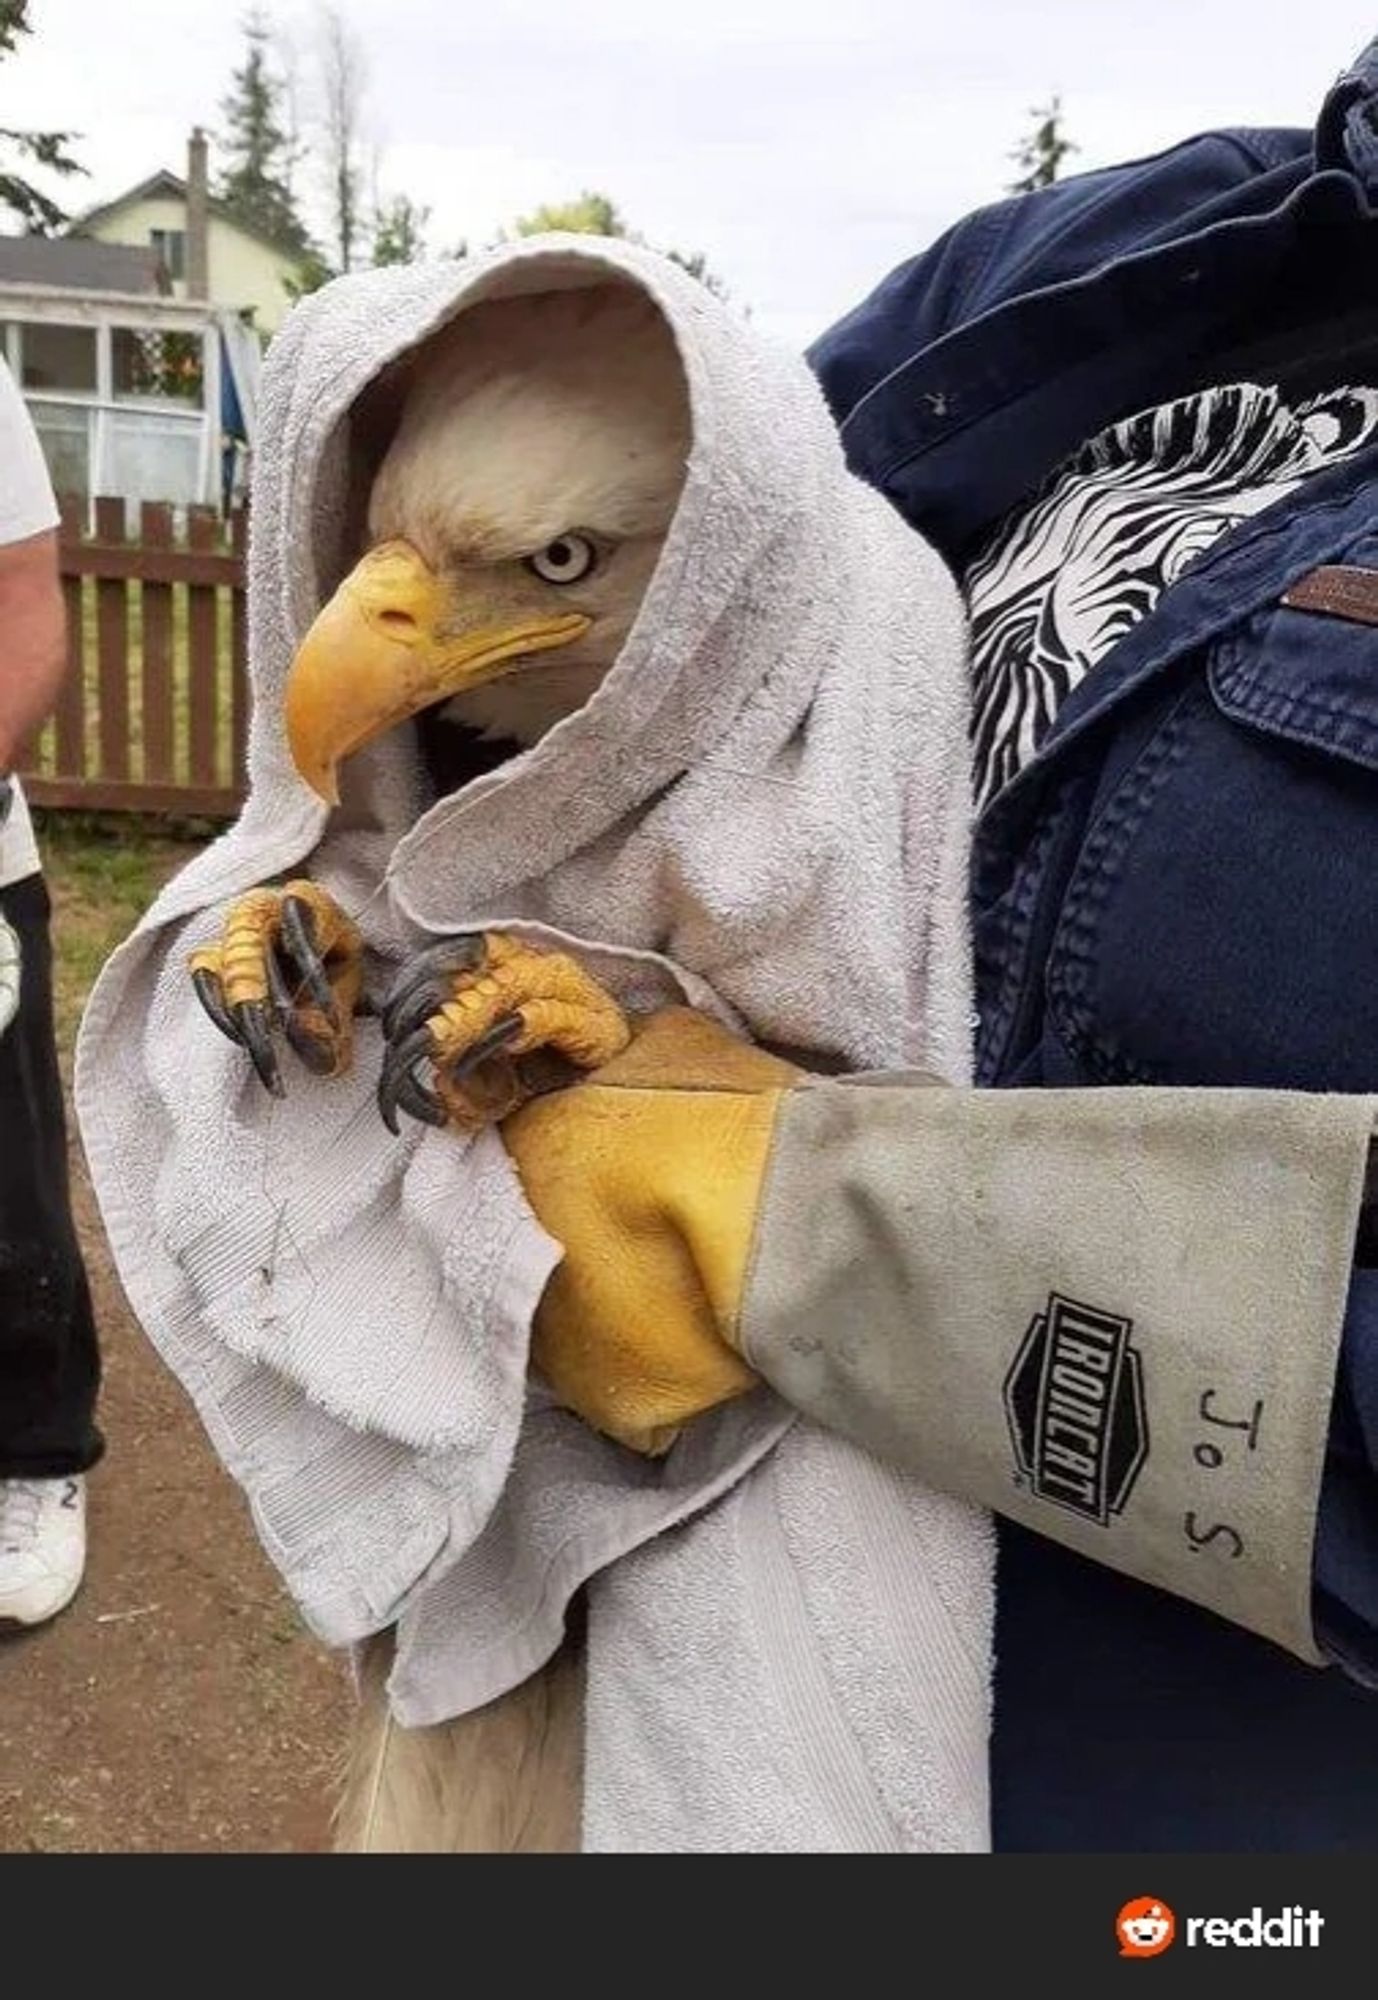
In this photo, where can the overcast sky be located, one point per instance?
(804, 145)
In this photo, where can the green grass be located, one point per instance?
(103, 871)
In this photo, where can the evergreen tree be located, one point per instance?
(254, 188)
(38, 212)
(399, 231)
(1042, 153)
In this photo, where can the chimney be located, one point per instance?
(198, 217)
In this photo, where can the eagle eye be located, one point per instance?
(568, 559)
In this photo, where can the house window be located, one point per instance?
(65, 434)
(59, 359)
(148, 364)
(171, 246)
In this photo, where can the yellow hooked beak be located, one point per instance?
(393, 639)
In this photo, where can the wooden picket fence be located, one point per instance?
(154, 711)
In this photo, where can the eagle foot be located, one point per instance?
(474, 1007)
(286, 959)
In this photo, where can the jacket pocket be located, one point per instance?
(1304, 676)
(1218, 924)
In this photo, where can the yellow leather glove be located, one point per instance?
(650, 1174)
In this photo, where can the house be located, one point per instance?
(205, 252)
(143, 382)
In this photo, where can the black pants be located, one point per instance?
(49, 1360)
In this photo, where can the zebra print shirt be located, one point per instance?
(1063, 579)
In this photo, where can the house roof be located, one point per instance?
(161, 183)
(168, 186)
(71, 262)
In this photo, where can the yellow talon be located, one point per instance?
(511, 1001)
(287, 958)
(559, 1005)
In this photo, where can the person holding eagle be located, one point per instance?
(622, 1232)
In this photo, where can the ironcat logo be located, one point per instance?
(1074, 1397)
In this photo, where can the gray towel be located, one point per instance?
(764, 809)
(803, 1669)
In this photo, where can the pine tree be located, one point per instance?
(399, 231)
(1042, 153)
(254, 186)
(38, 212)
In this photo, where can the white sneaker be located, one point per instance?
(42, 1547)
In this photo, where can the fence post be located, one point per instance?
(203, 662)
(159, 729)
(112, 648)
(69, 722)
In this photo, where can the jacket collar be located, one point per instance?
(1347, 130)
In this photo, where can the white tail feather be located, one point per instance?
(506, 1779)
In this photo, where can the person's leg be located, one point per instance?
(49, 1359)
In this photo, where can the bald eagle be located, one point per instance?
(513, 524)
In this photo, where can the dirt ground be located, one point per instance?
(178, 1704)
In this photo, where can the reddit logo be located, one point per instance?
(1144, 1928)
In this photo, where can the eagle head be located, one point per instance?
(514, 524)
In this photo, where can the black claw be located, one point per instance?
(212, 998)
(424, 983)
(401, 1060)
(299, 935)
(397, 1086)
(419, 991)
(403, 1091)
(405, 1012)
(413, 1097)
(316, 1051)
(253, 1031)
(498, 1036)
(278, 986)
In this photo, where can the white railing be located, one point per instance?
(144, 450)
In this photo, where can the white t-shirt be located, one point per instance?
(27, 507)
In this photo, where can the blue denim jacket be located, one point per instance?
(1179, 888)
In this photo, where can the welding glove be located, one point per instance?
(1112, 1315)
